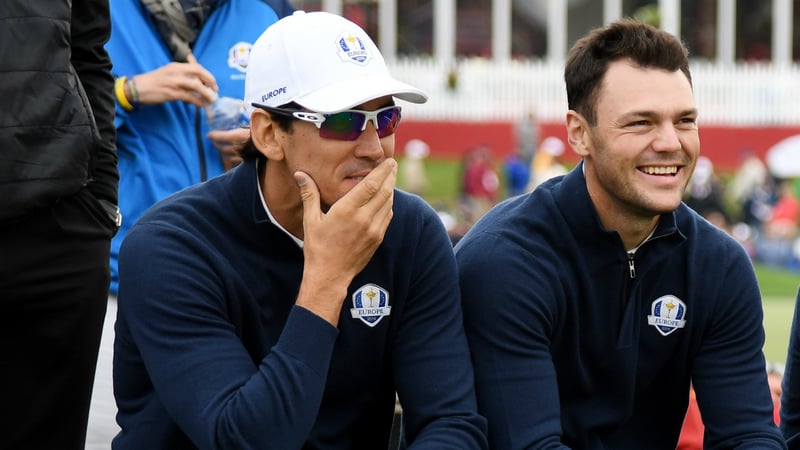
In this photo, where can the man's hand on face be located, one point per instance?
(339, 244)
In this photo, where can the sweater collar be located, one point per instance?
(246, 186)
(572, 198)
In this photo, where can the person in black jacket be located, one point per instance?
(58, 196)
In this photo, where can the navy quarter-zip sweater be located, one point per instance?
(212, 353)
(578, 345)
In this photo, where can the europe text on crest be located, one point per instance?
(370, 304)
(239, 56)
(351, 48)
(666, 314)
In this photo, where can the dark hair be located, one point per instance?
(589, 58)
(284, 122)
(249, 151)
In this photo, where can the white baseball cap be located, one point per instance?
(322, 62)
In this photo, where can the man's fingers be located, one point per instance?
(201, 72)
(196, 87)
(194, 79)
(378, 184)
(309, 193)
(237, 136)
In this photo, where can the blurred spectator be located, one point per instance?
(693, 429)
(704, 194)
(751, 189)
(455, 225)
(545, 163)
(413, 177)
(774, 245)
(691, 437)
(527, 131)
(757, 206)
(172, 60)
(785, 213)
(58, 196)
(517, 173)
(480, 182)
(775, 379)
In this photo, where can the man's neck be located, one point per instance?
(281, 198)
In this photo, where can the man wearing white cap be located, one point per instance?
(283, 304)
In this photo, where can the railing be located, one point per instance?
(737, 95)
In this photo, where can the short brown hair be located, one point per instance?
(589, 58)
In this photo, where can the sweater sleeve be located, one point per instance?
(433, 373)
(729, 374)
(509, 314)
(175, 307)
(91, 29)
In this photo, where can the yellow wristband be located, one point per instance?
(119, 91)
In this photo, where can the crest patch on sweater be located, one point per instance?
(370, 304)
(666, 314)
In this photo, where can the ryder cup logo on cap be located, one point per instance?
(321, 61)
(370, 304)
(353, 49)
(666, 314)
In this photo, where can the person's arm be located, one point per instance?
(338, 244)
(430, 357)
(790, 396)
(229, 143)
(508, 317)
(729, 373)
(91, 29)
(178, 312)
(182, 81)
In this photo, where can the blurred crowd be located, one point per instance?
(483, 182)
(759, 209)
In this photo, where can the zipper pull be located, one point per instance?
(631, 268)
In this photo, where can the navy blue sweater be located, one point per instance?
(577, 346)
(211, 352)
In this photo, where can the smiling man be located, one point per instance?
(591, 303)
(283, 304)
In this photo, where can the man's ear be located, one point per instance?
(578, 133)
(265, 134)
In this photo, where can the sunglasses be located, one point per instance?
(346, 125)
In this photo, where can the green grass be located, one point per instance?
(778, 289)
(778, 313)
(445, 181)
(777, 282)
